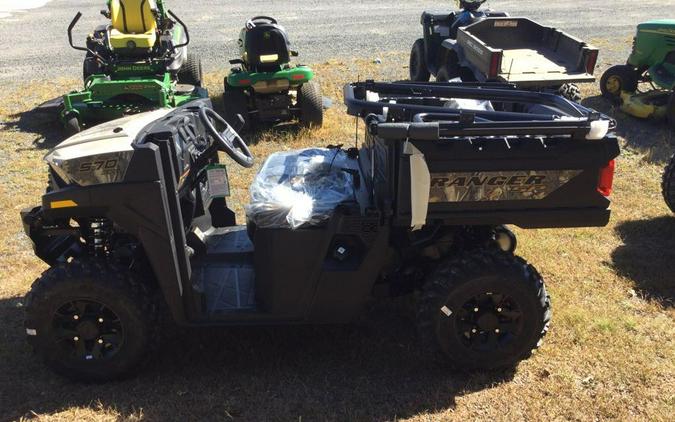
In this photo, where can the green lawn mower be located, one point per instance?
(264, 86)
(652, 61)
(138, 62)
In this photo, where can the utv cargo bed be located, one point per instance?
(505, 156)
(523, 52)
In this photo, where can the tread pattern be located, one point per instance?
(105, 274)
(463, 269)
(311, 105)
(191, 71)
(571, 92)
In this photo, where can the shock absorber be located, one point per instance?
(99, 229)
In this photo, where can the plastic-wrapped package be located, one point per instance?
(300, 188)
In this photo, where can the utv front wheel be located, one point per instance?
(91, 321)
(617, 79)
(485, 310)
(310, 102)
(418, 63)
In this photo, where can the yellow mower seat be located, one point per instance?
(133, 21)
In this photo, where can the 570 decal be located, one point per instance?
(99, 165)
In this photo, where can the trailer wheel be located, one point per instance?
(235, 102)
(310, 101)
(617, 79)
(418, 63)
(91, 321)
(668, 184)
(191, 72)
(571, 92)
(484, 310)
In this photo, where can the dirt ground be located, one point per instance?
(610, 354)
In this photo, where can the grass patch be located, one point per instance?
(610, 353)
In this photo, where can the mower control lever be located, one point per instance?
(70, 39)
(187, 33)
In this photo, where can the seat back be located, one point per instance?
(267, 47)
(133, 16)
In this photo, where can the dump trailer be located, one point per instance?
(520, 51)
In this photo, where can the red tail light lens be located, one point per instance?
(606, 179)
(591, 61)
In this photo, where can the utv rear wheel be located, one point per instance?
(571, 92)
(418, 63)
(485, 310)
(310, 102)
(191, 71)
(91, 321)
(235, 103)
(668, 184)
(617, 79)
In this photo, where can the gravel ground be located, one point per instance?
(35, 43)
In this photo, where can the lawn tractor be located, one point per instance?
(264, 86)
(487, 46)
(137, 224)
(651, 61)
(137, 63)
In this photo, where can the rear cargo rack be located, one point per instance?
(418, 111)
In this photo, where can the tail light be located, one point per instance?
(495, 65)
(591, 61)
(606, 179)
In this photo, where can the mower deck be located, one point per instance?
(294, 75)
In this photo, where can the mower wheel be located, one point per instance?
(617, 79)
(668, 185)
(91, 320)
(310, 101)
(191, 71)
(235, 103)
(483, 310)
(72, 125)
(418, 63)
(571, 92)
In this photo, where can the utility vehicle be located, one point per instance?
(136, 63)
(137, 220)
(652, 61)
(473, 45)
(264, 86)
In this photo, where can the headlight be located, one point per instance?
(93, 169)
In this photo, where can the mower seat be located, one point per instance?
(133, 24)
(267, 48)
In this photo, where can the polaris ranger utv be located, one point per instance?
(137, 219)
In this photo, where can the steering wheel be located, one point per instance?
(229, 140)
(251, 22)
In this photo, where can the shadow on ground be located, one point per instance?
(370, 370)
(648, 257)
(44, 126)
(655, 138)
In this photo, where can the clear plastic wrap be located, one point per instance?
(300, 188)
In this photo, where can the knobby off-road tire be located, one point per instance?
(668, 185)
(235, 104)
(418, 63)
(92, 321)
(485, 310)
(191, 71)
(310, 101)
(617, 79)
(571, 92)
